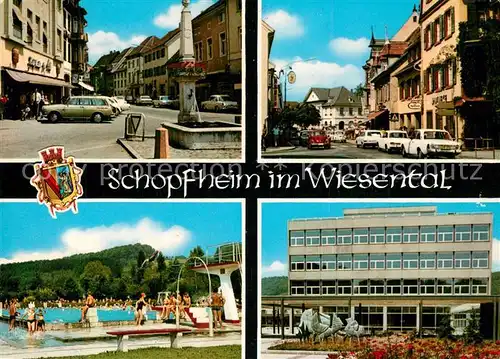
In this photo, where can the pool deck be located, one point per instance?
(95, 340)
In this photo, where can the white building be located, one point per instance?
(339, 108)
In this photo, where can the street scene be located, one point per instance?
(149, 282)
(412, 80)
(166, 87)
(380, 280)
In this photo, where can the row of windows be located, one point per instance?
(157, 71)
(431, 286)
(446, 260)
(441, 28)
(159, 54)
(441, 77)
(409, 88)
(198, 48)
(380, 235)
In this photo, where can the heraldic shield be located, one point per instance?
(57, 180)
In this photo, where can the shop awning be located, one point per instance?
(36, 79)
(86, 87)
(373, 115)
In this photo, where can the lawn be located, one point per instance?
(221, 352)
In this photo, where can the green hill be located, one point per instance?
(275, 286)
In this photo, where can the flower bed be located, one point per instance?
(398, 347)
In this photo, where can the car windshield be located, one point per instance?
(376, 134)
(163, 98)
(437, 135)
(398, 135)
(317, 133)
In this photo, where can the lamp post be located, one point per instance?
(286, 71)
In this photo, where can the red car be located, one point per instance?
(318, 139)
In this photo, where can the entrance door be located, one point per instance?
(341, 125)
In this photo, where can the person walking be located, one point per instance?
(12, 313)
(140, 307)
(37, 96)
(3, 106)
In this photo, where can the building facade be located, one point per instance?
(101, 76)
(339, 107)
(118, 72)
(156, 79)
(391, 252)
(135, 67)
(32, 52)
(267, 83)
(218, 43)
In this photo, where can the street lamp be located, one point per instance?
(289, 75)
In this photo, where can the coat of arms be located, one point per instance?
(57, 180)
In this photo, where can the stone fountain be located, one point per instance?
(190, 132)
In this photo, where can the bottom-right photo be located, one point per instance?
(362, 279)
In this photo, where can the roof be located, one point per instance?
(394, 48)
(337, 96)
(107, 59)
(209, 9)
(166, 38)
(143, 46)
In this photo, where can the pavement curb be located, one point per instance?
(133, 153)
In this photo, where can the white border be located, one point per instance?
(241, 159)
(262, 201)
(260, 118)
(242, 203)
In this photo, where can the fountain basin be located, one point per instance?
(205, 135)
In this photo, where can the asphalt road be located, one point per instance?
(338, 151)
(84, 140)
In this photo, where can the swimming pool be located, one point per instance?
(73, 315)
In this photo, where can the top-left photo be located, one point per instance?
(123, 80)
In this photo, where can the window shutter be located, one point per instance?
(433, 30)
(454, 71)
(426, 81)
(452, 19)
(441, 27)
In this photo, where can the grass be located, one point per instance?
(220, 352)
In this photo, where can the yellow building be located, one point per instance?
(441, 79)
(265, 44)
(32, 50)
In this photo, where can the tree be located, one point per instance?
(359, 90)
(196, 252)
(161, 263)
(445, 330)
(304, 115)
(472, 332)
(71, 289)
(96, 278)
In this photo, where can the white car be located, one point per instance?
(392, 141)
(144, 101)
(432, 143)
(368, 138)
(219, 103)
(116, 107)
(339, 136)
(124, 105)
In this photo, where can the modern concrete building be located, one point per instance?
(395, 251)
(403, 268)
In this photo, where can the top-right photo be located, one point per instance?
(390, 81)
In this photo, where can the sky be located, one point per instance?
(334, 33)
(276, 215)
(28, 232)
(116, 25)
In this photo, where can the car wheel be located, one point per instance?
(54, 117)
(97, 117)
(358, 145)
(363, 145)
(420, 154)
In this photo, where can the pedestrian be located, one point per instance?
(3, 105)
(140, 306)
(37, 96)
(12, 313)
(276, 135)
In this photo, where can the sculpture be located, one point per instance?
(319, 325)
(353, 329)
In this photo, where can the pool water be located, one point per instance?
(73, 315)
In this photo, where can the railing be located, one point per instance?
(222, 253)
(479, 144)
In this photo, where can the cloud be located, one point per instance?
(170, 18)
(495, 255)
(319, 74)
(276, 268)
(285, 24)
(102, 42)
(87, 240)
(345, 47)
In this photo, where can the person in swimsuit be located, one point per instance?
(216, 303)
(186, 304)
(30, 313)
(40, 321)
(139, 307)
(89, 303)
(12, 314)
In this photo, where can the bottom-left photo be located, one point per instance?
(124, 279)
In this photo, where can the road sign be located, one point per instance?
(292, 77)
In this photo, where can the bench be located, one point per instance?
(174, 333)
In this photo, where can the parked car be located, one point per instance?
(318, 139)
(130, 99)
(339, 136)
(368, 138)
(94, 108)
(116, 106)
(219, 103)
(162, 101)
(392, 141)
(124, 106)
(144, 101)
(432, 143)
(304, 137)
